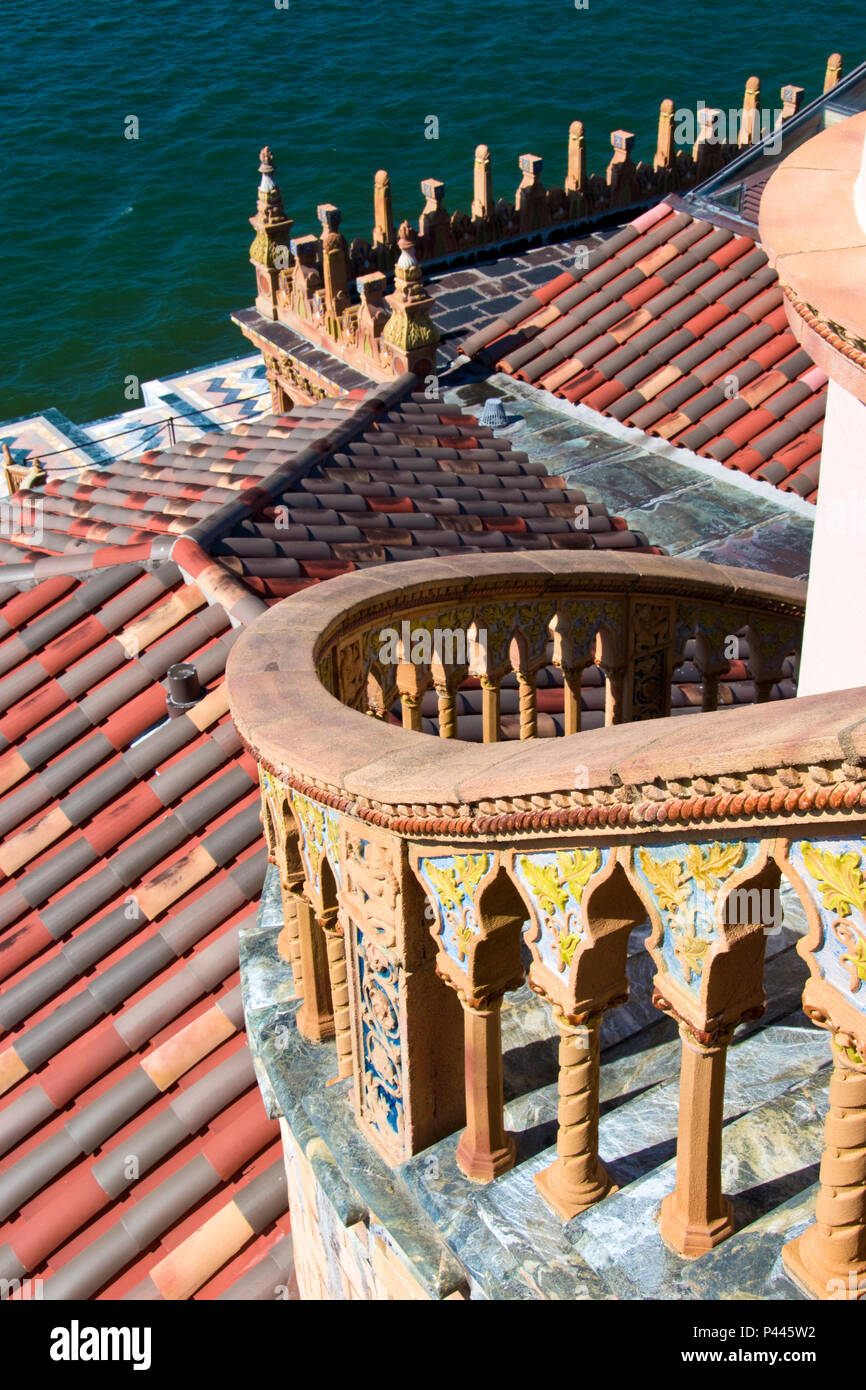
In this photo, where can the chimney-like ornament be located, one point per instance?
(184, 688)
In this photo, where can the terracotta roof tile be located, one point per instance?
(666, 310)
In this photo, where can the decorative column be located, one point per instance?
(571, 686)
(708, 153)
(485, 1149)
(490, 688)
(316, 1015)
(621, 173)
(528, 704)
(482, 200)
(372, 314)
(447, 709)
(708, 905)
(575, 179)
(269, 253)
(829, 1259)
(664, 155)
(614, 701)
(530, 200)
(339, 981)
(582, 910)
(792, 98)
(696, 1216)
(335, 268)
(289, 939)
(476, 927)
(384, 236)
(833, 74)
(410, 334)
(750, 123)
(577, 1178)
(434, 225)
(306, 280)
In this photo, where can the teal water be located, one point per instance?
(124, 257)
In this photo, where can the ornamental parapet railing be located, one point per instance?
(414, 869)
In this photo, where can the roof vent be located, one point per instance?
(184, 687)
(493, 415)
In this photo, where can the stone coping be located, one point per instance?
(742, 763)
(812, 234)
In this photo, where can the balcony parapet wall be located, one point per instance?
(413, 867)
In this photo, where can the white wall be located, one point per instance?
(834, 643)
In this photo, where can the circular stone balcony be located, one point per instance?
(423, 880)
(378, 641)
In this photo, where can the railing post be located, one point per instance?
(316, 1014)
(571, 684)
(289, 939)
(528, 704)
(696, 1216)
(338, 976)
(447, 709)
(485, 1149)
(577, 1178)
(829, 1259)
(490, 688)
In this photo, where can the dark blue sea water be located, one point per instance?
(123, 257)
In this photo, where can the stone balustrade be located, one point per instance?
(418, 872)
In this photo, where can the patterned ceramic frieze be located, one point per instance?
(684, 883)
(834, 871)
(554, 882)
(451, 881)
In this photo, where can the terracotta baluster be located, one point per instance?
(384, 236)
(489, 709)
(528, 705)
(695, 1217)
(289, 940)
(485, 1149)
(447, 711)
(316, 1014)
(792, 98)
(613, 699)
(834, 71)
(482, 201)
(576, 1179)
(411, 707)
(710, 691)
(571, 680)
(575, 179)
(339, 979)
(829, 1259)
(750, 123)
(664, 155)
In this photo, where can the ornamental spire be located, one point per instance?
(270, 252)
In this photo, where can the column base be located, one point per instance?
(817, 1279)
(484, 1167)
(570, 1199)
(313, 1027)
(692, 1239)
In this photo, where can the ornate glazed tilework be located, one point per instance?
(835, 872)
(555, 881)
(683, 882)
(451, 881)
(381, 1083)
(311, 821)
